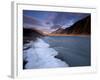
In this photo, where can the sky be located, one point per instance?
(49, 21)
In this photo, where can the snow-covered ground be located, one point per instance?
(40, 55)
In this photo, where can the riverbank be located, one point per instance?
(81, 35)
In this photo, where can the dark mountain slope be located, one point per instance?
(31, 34)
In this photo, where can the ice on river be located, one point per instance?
(41, 55)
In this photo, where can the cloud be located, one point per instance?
(51, 20)
(32, 23)
(68, 24)
(30, 20)
(63, 18)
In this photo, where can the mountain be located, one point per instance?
(31, 34)
(60, 30)
(82, 26)
(55, 26)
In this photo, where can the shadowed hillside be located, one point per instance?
(31, 34)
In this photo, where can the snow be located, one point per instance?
(40, 55)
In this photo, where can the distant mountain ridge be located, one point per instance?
(82, 26)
